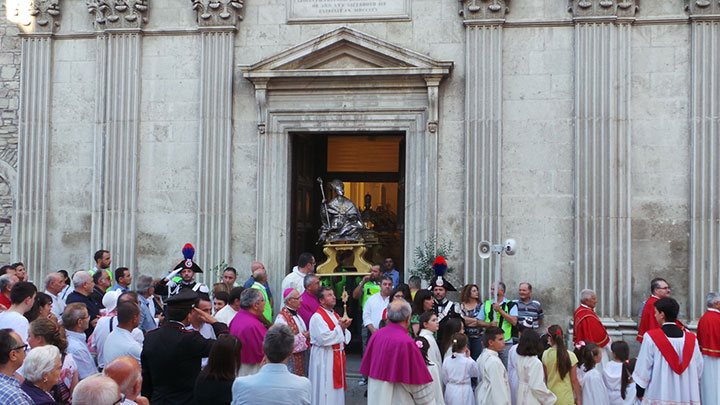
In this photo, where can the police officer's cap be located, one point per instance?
(185, 299)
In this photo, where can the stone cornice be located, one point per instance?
(121, 14)
(484, 11)
(218, 13)
(603, 9)
(703, 9)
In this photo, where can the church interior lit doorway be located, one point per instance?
(372, 167)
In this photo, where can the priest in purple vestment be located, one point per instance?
(310, 303)
(246, 325)
(396, 369)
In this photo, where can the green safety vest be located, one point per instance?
(507, 327)
(369, 289)
(110, 274)
(267, 312)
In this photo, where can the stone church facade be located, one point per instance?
(587, 130)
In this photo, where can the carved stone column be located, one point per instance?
(602, 154)
(217, 21)
(705, 153)
(117, 117)
(483, 20)
(30, 228)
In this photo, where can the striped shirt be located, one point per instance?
(532, 309)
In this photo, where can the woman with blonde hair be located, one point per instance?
(44, 332)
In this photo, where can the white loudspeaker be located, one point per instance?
(484, 249)
(510, 247)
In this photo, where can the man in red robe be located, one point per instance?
(659, 288)
(587, 325)
(708, 336)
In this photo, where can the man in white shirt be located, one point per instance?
(109, 322)
(76, 320)
(228, 312)
(198, 323)
(53, 285)
(22, 298)
(376, 305)
(305, 266)
(120, 342)
(373, 311)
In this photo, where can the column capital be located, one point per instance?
(603, 9)
(482, 11)
(118, 13)
(218, 13)
(46, 14)
(703, 9)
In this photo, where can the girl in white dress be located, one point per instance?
(457, 370)
(428, 326)
(434, 370)
(593, 386)
(617, 375)
(531, 388)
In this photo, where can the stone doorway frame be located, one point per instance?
(378, 87)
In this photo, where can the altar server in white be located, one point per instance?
(328, 336)
(669, 365)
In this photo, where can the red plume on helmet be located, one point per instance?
(188, 251)
(439, 265)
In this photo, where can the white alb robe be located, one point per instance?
(612, 374)
(386, 393)
(434, 351)
(456, 374)
(662, 385)
(512, 372)
(710, 381)
(437, 386)
(531, 388)
(494, 387)
(593, 389)
(321, 359)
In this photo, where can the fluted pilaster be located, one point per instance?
(30, 230)
(217, 21)
(705, 153)
(117, 117)
(483, 21)
(602, 153)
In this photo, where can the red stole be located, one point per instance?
(663, 344)
(648, 321)
(298, 358)
(588, 327)
(708, 334)
(338, 353)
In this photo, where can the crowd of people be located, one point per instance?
(90, 339)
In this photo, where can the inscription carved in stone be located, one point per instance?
(213, 13)
(118, 13)
(703, 7)
(347, 10)
(484, 9)
(603, 8)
